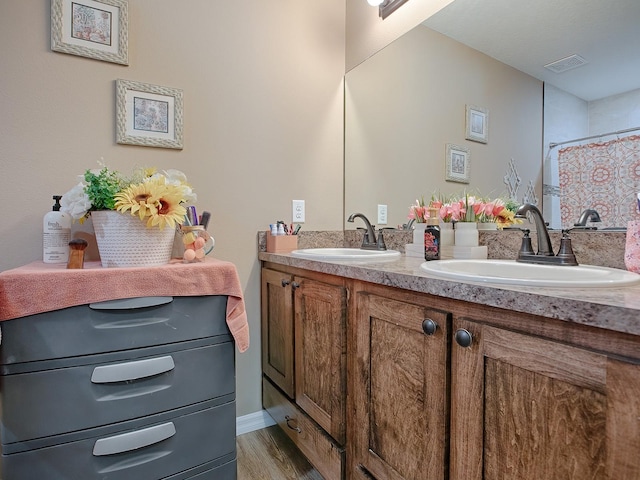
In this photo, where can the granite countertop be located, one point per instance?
(615, 309)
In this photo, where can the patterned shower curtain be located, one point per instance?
(601, 176)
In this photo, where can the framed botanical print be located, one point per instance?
(91, 28)
(148, 115)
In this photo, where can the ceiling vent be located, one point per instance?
(567, 63)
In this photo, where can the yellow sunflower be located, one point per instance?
(168, 211)
(139, 198)
(506, 218)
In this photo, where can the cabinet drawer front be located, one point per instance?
(87, 396)
(325, 455)
(112, 326)
(225, 468)
(213, 427)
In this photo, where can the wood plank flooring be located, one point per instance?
(268, 454)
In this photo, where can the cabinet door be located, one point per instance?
(277, 329)
(320, 353)
(399, 393)
(528, 408)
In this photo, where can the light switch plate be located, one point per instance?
(382, 214)
(298, 211)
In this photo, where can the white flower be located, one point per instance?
(75, 202)
(176, 177)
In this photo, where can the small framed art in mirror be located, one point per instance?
(457, 164)
(477, 124)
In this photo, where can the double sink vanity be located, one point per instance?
(381, 366)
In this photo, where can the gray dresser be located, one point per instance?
(140, 389)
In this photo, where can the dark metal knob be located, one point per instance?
(463, 338)
(292, 423)
(295, 285)
(285, 282)
(429, 327)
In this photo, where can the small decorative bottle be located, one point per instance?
(432, 236)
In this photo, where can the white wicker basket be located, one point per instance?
(125, 241)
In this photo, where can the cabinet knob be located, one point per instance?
(463, 338)
(285, 282)
(292, 424)
(295, 285)
(429, 327)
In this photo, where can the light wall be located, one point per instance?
(263, 106)
(407, 102)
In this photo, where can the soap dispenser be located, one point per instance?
(56, 234)
(432, 236)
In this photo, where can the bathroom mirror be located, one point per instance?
(407, 103)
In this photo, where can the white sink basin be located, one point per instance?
(351, 254)
(510, 272)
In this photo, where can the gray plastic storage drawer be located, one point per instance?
(98, 390)
(112, 326)
(224, 468)
(159, 449)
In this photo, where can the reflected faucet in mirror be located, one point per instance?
(587, 215)
(545, 253)
(369, 241)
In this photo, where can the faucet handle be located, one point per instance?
(525, 247)
(380, 245)
(565, 253)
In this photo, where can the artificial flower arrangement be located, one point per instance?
(419, 212)
(157, 198)
(468, 208)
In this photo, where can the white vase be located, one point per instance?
(125, 241)
(487, 226)
(418, 233)
(466, 234)
(446, 234)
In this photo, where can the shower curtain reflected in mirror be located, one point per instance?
(603, 176)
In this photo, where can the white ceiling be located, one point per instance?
(528, 34)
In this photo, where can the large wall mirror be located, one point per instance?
(407, 105)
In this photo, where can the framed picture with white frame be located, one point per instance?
(91, 28)
(477, 124)
(148, 115)
(457, 164)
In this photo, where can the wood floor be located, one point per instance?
(268, 454)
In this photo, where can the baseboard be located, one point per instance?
(253, 421)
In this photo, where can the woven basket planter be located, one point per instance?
(125, 241)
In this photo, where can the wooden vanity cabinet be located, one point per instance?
(304, 362)
(277, 319)
(526, 407)
(440, 389)
(491, 395)
(399, 383)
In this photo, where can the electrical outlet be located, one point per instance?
(298, 211)
(382, 214)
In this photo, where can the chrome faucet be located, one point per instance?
(587, 215)
(369, 241)
(545, 253)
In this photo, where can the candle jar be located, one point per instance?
(197, 243)
(466, 234)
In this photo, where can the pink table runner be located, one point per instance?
(39, 287)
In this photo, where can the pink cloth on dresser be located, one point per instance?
(39, 287)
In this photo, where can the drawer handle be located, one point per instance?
(464, 338)
(124, 372)
(133, 440)
(130, 303)
(429, 327)
(292, 424)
